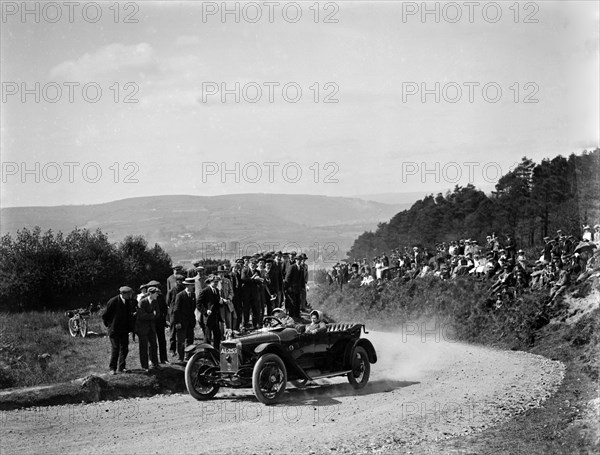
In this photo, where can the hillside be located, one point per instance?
(188, 226)
(530, 202)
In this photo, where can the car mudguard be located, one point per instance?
(364, 343)
(290, 363)
(193, 348)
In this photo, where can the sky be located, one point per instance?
(105, 101)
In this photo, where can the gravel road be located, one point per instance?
(422, 389)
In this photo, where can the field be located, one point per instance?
(26, 336)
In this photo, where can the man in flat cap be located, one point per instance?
(228, 314)
(119, 319)
(303, 267)
(199, 284)
(172, 280)
(171, 295)
(209, 304)
(252, 284)
(161, 321)
(183, 318)
(277, 277)
(145, 327)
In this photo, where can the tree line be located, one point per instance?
(47, 270)
(530, 202)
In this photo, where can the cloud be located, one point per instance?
(187, 40)
(115, 61)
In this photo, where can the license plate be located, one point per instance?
(229, 358)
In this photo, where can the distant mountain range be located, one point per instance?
(406, 200)
(190, 227)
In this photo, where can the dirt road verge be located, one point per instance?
(95, 388)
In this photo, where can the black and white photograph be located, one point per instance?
(300, 227)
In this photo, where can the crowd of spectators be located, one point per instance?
(233, 299)
(499, 260)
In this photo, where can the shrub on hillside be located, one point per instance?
(463, 303)
(47, 270)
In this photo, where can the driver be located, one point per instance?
(316, 325)
(286, 320)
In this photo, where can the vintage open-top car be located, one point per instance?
(268, 358)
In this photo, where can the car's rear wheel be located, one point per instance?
(197, 371)
(269, 378)
(361, 368)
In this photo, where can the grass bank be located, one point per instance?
(24, 337)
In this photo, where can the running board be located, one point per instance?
(330, 375)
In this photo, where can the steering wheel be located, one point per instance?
(277, 320)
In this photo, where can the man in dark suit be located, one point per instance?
(171, 295)
(236, 282)
(199, 279)
(118, 318)
(273, 284)
(161, 322)
(251, 285)
(304, 279)
(182, 317)
(209, 304)
(145, 327)
(293, 281)
(277, 278)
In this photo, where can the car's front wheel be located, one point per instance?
(361, 368)
(197, 372)
(269, 378)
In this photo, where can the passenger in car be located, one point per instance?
(317, 324)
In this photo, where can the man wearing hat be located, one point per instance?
(172, 280)
(236, 282)
(273, 282)
(228, 314)
(294, 278)
(160, 322)
(171, 295)
(209, 304)
(143, 292)
(252, 284)
(182, 317)
(119, 319)
(145, 327)
(510, 246)
(303, 279)
(287, 261)
(286, 321)
(199, 284)
(277, 276)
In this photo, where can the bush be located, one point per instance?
(41, 271)
(463, 303)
